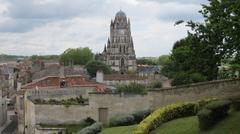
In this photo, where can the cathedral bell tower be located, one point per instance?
(119, 52)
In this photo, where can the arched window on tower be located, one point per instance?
(123, 49)
(122, 62)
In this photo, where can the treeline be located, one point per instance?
(5, 57)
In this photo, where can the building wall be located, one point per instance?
(116, 82)
(3, 110)
(30, 117)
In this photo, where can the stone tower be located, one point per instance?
(119, 51)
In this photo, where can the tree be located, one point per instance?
(163, 59)
(189, 58)
(77, 56)
(146, 61)
(220, 31)
(207, 44)
(93, 66)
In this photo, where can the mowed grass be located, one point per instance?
(119, 130)
(189, 125)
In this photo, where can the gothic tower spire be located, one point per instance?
(120, 50)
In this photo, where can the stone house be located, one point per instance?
(9, 73)
(54, 87)
(115, 79)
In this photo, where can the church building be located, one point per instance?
(119, 51)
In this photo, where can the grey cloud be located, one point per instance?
(180, 1)
(28, 14)
(21, 25)
(60, 9)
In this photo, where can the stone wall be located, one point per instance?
(194, 92)
(118, 103)
(74, 114)
(61, 114)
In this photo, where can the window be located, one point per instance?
(122, 62)
(63, 84)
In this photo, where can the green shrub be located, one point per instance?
(236, 105)
(212, 113)
(220, 108)
(93, 129)
(133, 88)
(202, 103)
(140, 115)
(165, 114)
(156, 84)
(89, 120)
(183, 78)
(205, 119)
(122, 120)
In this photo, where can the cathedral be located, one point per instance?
(119, 51)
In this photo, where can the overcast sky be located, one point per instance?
(42, 27)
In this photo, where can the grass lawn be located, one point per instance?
(119, 130)
(189, 125)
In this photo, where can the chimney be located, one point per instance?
(62, 75)
(99, 76)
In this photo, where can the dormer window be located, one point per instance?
(63, 84)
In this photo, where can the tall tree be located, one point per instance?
(77, 56)
(93, 66)
(220, 32)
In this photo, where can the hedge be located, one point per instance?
(122, 120)
(165, 114)
(93, 129)
(212, 113)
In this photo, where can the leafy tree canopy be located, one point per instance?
(93, 66)
(76, 56)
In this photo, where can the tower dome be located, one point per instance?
(120, 14)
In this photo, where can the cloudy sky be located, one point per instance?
(50, 26)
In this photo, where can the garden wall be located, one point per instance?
(194, 92)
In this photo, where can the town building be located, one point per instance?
(119, 51)
(8, 71)
(116, 79)
(3, 108)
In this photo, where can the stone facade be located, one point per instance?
(119, 52)
(3, 109)
(115, 79)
